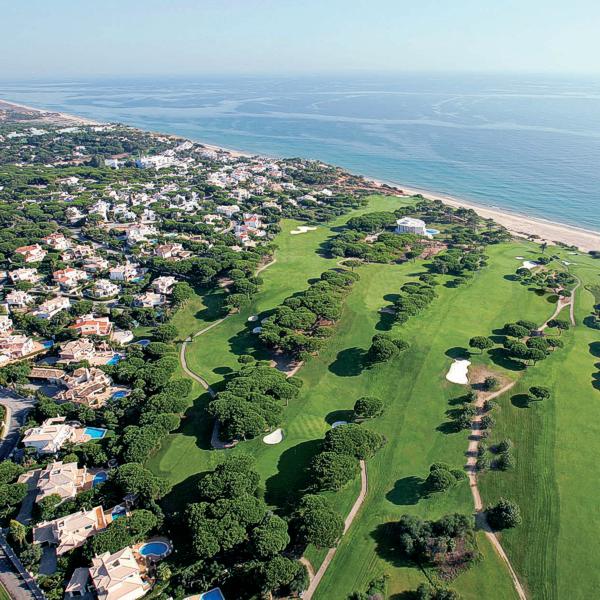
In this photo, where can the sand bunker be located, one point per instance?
(458, 372)
(338, 423)
(257, 330)
(520, 257)
(530, 264)
(302, 229)
(274, 437)
(253, 318)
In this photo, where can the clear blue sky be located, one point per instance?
(55, 38)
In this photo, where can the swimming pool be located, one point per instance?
(48, 344)
(155, 549)
(214, 594)
(119, 394)
(432, 231)
(114, 360)
(118, 512)
(99, 478)
(142, 342)
(96, 433)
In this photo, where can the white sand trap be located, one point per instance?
(274, 437)
(338, 423)
(257, 330)
(567, 263)
(302, 229)
(520, 257)
(458, 372)
(530, 264)
(252, 318)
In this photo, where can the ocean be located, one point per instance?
(526, 144)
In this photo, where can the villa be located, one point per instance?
(167, 251)
(72, 531)
(52, 307)
(149, 300)
(63, 479)
(16, 346)
(139, 233)
(57, 241)
(29, 275)
(30, 254)
(50, 436)
(90, 325)
(93, 264)
(411, 225)
(125, 272)
(19, 299)
(116, 576)
(69, 277)
(154, 162)
(77, 350)
(164, 285)
(91, 387)
(103, 288)
(228, 210)
(6, 325)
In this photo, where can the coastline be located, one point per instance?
(520, 225)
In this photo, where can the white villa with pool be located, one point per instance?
(411, 225)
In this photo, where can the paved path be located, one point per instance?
(572, 306)
(316, 579)
(20, 585)
(17, 408)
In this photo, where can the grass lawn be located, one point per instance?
(555, 480)
(4, 595)
(417, 397)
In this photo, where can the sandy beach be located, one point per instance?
(519, 225)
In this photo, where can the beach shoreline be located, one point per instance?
(520, 225)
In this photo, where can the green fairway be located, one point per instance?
(556, 503)
(556, 548)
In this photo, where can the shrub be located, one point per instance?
(505, 514)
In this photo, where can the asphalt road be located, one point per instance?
(18, 408)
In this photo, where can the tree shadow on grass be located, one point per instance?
(182, 494)
(386, 321)
(385, 547)
(340, 415)
(408, 490)
(520, 401)
(596, 381)
(292, 477)
(458, 352)
(501, 358)
(391, 298)
(349, 362)
(595, 349)
(449, 427)
(223, 371)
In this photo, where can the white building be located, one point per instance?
(6, 325)
(125, 272)
(228, 210)
(50, 436)
(410, 225)
(103, 288)
(52, 307)
(18, 299)
(164, 285)
(29, 275)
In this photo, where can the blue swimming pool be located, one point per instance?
(96, 433)
(99, 478)
(114, 360)
(48, 343)
(142, 342)
(119, 394)
(118, 512)
(214, 594)
(155, 549)
(432, 231)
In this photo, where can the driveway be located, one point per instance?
(17, 408)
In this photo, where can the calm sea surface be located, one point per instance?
(529, 144)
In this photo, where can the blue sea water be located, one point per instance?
(529, 144)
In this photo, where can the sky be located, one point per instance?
(58, 38)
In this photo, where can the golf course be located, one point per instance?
(554, 441)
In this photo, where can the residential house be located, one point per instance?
(72, 531)
(50, 436)
(149, 300)
(77, 351)
(6, 325)
(92, 387)
(90, 325)
(103, 288)
(18, 299)
(31, 254)
(16, 346)
(29, 275)
(69, 278)
(46, 310)
(118, 576)
(93, 264)
(228, 210)
(57, 241)
(73, 214)
(164, 284)
(126, 272)
(154, 162)
(63, 479)
(167, 251)
(139, 232)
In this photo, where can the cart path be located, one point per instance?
(314, 581)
